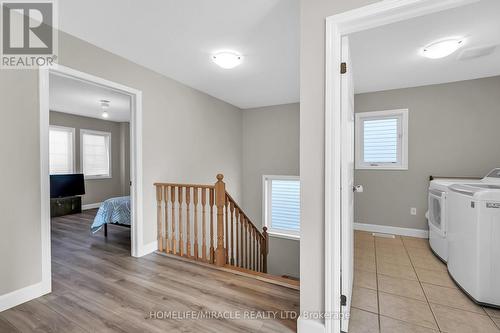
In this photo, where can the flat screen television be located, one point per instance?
(66, 185)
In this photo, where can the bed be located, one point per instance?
(115, 211)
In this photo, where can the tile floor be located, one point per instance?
(400, 286)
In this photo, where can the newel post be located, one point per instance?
(265, 249)
(220, 200)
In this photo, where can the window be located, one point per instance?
(95, 154)
(282, 206)
(61, 150)
(382, 140)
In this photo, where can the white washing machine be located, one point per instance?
(474, 238)
(437, 214)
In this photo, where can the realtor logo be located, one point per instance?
(29, 34)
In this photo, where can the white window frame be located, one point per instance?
(73, 146)
(110, 154)
(402, 163)
(266, 208)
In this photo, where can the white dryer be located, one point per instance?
(474, 238)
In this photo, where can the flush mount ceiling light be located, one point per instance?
(442, 48)
(227, 59)
(104, 105)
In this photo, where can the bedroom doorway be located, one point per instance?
(91, 163)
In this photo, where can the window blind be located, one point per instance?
(380, 140)
(61, 151)
(285, 205)
(96, 154)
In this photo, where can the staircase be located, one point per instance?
(203, 223)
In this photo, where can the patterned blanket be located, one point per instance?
(114, 210)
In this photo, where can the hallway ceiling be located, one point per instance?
(388, 57)
(176, 38)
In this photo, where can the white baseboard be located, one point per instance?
(23, 295)
(419, 233)
(91, 206)
(309, 326)
(148, 248)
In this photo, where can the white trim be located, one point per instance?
(148, 248)
(385, 229)
(71, 130)
(23, 295)
(371, 16)
(109, 175)
(306, 325)
(137, 248)
(91, 206)
(283, 235)
(402, 164)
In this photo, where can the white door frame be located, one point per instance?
(136, 191)
(364, 18)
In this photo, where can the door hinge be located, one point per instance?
(343, 300)
(343, 68)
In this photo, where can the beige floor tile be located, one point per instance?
(451, 297)
(365, 299)
(401, 287)
(389, 325)
(397, 271)
(365, 279)
(364, 245)
(363, 322)
(365, 264)
(396, 241)
(364, 253)
(459, 321)
(431, 263)
(439, 277)
(419, 251)
(497, 321)
(492, 312)
(394, 258)
(422, 243)
(406, 309)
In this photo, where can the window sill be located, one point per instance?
(275, 234)
(97, 177)
(382, 167)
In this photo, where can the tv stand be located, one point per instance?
(65, 206)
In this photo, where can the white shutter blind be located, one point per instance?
(380, 140)
(96, 154)
(61, 151)
(285, 205)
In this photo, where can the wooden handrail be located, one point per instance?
(233, 240)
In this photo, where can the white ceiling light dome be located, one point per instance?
(442, 48)
(227, 59)
(105, 106)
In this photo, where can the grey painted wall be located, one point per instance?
(98, 190)
(188, 136)
(453, 131)
(271, 147)
(312, 145)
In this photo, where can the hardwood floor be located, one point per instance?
(98, 287)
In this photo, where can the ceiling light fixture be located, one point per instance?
(104, 105)
(227, 59)
(442, 48)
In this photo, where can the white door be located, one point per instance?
(347, 181)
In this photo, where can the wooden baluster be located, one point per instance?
(265, 250)
(231, 206)
(258, 253)
(236, 219)
(195, 212)
(226, 235)
(203, 225)
(167, 238)
(181, 238)
(254, 247)
(242, 238)
(211, 203)
(159, 227)
(220, 201)
(248, 243)
(172, 202)
(188, 221)
(252, 237)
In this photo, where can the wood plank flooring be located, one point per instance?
(98, 287)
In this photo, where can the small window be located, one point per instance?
(95, 154)
(282, 206)
(382, 140)
(61, 150)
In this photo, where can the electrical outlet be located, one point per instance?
(413, 211)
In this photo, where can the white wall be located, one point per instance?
(271, 147)
(188, 137)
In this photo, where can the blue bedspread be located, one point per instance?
(114, 210)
